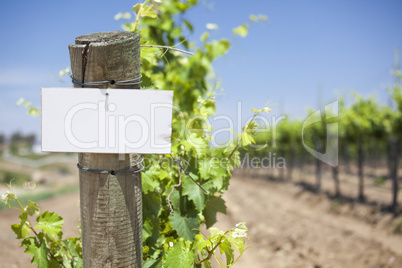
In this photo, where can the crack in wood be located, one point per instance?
(84, 61)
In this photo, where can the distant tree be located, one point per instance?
(16, 137)
(395, 143)
(30, 140)
(2, 139)
(363, 121)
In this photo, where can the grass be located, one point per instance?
(17, 177)
(33, 156)
(380, 180)
(39, 196)
(398, 227)
(59, 167)
(335, 205)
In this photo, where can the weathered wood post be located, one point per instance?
(111, 205)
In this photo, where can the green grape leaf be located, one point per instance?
(214, 205)
(148, 11)
(174, 197)
(266, 109)
(180, 255)
(246, 139)
(202, 244)
(39, 250)
(146, 230)
(238, 243)
(75, 248)
(74, 244)
(32, 208)
(216, 235)
(226, 247)
(203, 168)
(189, 25)
(120, 15)
(151, 210)
(198, 143)
(185, 224)
(50, 223)
(151, 205)
(149, 56)
(33, 112)
(145, 11)
(218, 182)
(207, 264)
(152, 263)
(137, 8)
(175, 32)
(253, 17)
(229, 148)
(204, 36)
(21, 230)
(220, 174)
(55, 264)
(242, 30)
(240, 230)
(194, 192)
(8, 197)
(235, 160)
(218, 48)
(149, 184)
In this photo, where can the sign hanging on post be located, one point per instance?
(92, 120)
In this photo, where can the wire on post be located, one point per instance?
(122, 171)
(130, 82)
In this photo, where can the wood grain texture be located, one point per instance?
(111, 205)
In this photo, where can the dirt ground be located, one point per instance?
(288, 227)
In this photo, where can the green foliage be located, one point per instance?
(396, 123)
(185, 224)
(174, 238)
(241, 30)
(255, 18)
(44, 240)
(380, 180)
(188, 253)
(359, 118)
(18, 178)
(192, 79)
(31, 110)
(50, 223)
(398, 227)
(335, 205)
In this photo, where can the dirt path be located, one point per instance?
(288, 228)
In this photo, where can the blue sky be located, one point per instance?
(307, 51)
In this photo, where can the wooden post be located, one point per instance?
(111, 205)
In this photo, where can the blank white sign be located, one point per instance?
(95, 120)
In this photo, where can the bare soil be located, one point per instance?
(288, 226)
